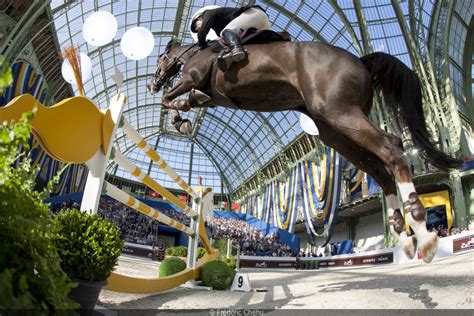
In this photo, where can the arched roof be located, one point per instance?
(230, 144)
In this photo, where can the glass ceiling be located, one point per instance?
(228, 145)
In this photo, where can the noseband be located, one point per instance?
(170, 72)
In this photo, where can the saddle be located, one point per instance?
(253, 36)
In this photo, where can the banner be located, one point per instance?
(463, 243)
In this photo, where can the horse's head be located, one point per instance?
(169, 64)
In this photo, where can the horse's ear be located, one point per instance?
(172, 43)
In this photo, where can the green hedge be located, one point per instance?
(182, 251)
(230, 262)
(89, 246)
(171, 266)
(30, 273)
(217, 274)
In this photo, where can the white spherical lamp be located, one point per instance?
(307, 124)
(137, 43)
(99, 28)
(86, 70)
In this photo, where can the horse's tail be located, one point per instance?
(402, 93)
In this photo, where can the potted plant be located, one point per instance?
(89, 247)
(31, 278)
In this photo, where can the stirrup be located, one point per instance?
(225, 60)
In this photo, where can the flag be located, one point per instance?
(235, 206)
(153, 194)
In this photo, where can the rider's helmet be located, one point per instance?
(198, 14)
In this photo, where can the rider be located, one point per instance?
(228, 23)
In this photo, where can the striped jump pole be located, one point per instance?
(143, 177)
(197, 198)
(119, 195)
(153, 155)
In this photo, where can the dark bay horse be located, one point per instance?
(335, 88)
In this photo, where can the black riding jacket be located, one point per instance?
(217, 19)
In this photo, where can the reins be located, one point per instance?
(170, 68)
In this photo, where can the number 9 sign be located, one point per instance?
(241, 283)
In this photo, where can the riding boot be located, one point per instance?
(236, 54)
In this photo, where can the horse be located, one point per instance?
(336, 89)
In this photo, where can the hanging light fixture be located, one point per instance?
(86, 70)
(137, 43)
(308, 125)
(99, 28)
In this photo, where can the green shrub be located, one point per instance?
(30, 273)
(201, 252)
(89, 246)
(171, 266)
(230, 262)
(180, 251)
(217, 275)
(169, 251)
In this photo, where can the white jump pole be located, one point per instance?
(98, 163)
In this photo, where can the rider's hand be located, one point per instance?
(205, 44)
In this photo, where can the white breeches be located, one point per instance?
(252, 17)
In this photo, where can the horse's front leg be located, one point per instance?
(183, 86)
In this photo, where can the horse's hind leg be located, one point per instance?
(350, 121)
(371, 164)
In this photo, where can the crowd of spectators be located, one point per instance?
(252, 242)
(136, 227)
(56, 207)
(140, 229)
(444, 232)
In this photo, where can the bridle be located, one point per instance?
(171, 70)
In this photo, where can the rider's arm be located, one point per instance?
(208, 20)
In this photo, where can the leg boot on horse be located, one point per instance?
(236, 54)
(183, 126)
(415, 215)
(397, 227)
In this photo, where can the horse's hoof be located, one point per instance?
(429, 246)
(409, 247)
(186, 128)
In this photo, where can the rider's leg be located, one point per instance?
(237, 52)
(251, 18)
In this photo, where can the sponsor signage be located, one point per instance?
(136, 251)
(357, 261)
(247, 263)
(463, 243)
(323, 263)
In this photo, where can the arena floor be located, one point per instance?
(446, 283)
